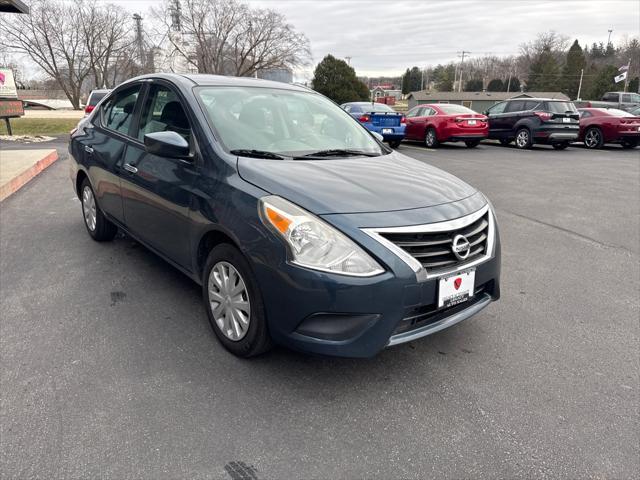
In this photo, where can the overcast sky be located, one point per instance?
(386, 36)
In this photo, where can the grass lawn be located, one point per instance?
(39, 126)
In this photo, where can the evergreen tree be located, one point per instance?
(633, 84)
(473, 85)
(337, 80)
(603, 82)
(405, 82)
(496, 85)
(571, 71)
(544, 73)
(415, 82)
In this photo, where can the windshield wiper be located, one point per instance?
(338, 152)
(257, 154)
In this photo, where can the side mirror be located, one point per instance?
(166, 144)
(378, 137)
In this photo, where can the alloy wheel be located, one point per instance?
(89, 208)
(522, 139)
(229, 301)
(431, 136)
(592, 138)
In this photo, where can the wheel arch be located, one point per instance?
(80, 177)
(208, 240)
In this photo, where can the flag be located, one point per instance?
(623, 68)
(621, 77)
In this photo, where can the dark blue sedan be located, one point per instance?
(301, 227)
(379, 118)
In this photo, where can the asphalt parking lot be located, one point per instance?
(110, 369)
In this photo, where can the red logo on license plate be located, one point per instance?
(457, 282)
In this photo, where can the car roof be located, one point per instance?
(100, 90)
(203, 79)
(537, 99)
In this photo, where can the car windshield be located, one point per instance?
(561, 107)
(283, 122)
(453, 108)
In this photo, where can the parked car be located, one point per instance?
(446, 122)
(619, 100)
(635, 112)
(608, 125)
(314, 236)
(379, 118)
(94, 98)
(534, 120)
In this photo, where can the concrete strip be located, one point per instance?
(18, 167)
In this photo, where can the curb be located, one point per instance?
(25, 177)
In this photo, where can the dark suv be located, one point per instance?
(534, 120)
(302, 230)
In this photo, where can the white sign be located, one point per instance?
(7, 84)
(621, 77)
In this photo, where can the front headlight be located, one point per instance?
(312, 242)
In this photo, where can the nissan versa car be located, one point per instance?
(534, 120)
(305, 232)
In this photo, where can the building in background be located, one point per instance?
(478, 101)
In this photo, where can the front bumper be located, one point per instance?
(346, 316)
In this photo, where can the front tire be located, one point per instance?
(431, 138)
(99, 228)
(523, 139)
(560, 146)
(593, 138)
(233, 302)
(472, 143)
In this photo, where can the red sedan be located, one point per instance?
(608, 125)
(445, 122)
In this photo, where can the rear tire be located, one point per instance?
(431, 138)
(505, 141)
(593, 138)
(238, 319)
(560, 146)
(395, 143)
(523, 139)
(99, 228)
(472, 143)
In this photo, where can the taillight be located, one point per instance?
(89, 108)
(403, 120)
(544, 116)
(365, 118)
(458, 119)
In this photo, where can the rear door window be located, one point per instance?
(530, 104)
(117, 113)
(515, 106)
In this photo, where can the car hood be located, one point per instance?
(355, 185)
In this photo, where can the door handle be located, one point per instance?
(130, 168)
(88, 149)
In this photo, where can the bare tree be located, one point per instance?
(228, 37)
(106, 31)
(52, 36)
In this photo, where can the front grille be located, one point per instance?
(434, 249)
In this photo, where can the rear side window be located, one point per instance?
(515, 106)
(117, 113)
(560, 107)
(530, 104)
(377, 107)
(585, 114)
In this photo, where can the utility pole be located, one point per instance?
(626, 79)
(139, 44)
(580, 84)
(463, 53)
(348, 59)
(609, 38)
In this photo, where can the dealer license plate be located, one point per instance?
(566, 120)
(456, 289)
(471, 122)
(387, 130)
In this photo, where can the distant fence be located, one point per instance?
(41, 95)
